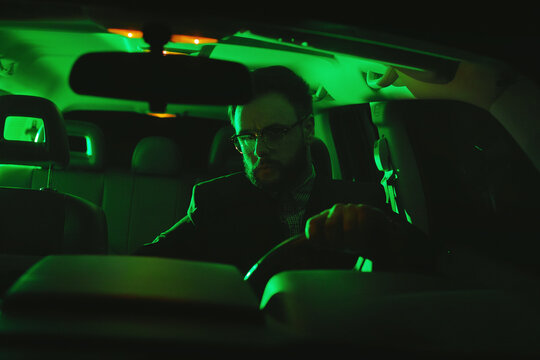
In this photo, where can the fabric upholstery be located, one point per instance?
(47, 222)
(43, 222)
(156, 155)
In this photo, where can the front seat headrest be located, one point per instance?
(156, 155)
(53, 151)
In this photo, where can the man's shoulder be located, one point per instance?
(225, 183)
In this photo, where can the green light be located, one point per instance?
(409, 219)
(15, 166)
(23, 128)
(367, 267)
(253, 268)
(363, 265)
(89, 151)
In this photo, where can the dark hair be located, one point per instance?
(284, 81)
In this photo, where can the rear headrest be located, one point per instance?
(223, 158)
(54, 150)
(156, 155)
(90, 138)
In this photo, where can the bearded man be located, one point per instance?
(235, 219)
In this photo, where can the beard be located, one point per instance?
(287, 175)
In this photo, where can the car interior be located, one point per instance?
(110, 115)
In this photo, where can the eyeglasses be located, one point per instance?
(271, 135)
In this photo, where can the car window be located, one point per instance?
(23, 128)
(354, 136)
(478, 185)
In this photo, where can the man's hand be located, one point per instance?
(392, 243)
(362, 229)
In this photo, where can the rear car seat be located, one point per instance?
(83, 176)
(142, 204)
(138, 204)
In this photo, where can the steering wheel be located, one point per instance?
(412, 252)
(296, 253)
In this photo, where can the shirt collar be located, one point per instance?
(304, 188)
(307, 185)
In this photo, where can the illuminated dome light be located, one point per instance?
(162, 115)
(132, 34)
(197, 40)
(175, 38)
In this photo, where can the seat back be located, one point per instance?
(44, 221)
(83, 177)
(160, 190)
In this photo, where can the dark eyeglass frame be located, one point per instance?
(260, 134)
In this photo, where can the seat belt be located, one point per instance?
(388, 182)
(389, 179)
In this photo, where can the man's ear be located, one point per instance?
(309, 129)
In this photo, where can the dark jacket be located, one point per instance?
(231, 221)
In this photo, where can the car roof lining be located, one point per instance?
(357, 52)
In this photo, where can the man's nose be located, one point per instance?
(261, 148)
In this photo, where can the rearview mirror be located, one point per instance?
(160, 79)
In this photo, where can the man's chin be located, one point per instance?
(266, 179)
(267, 175)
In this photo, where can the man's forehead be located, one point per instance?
(270, 109)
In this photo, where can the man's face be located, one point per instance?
(274, 165)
